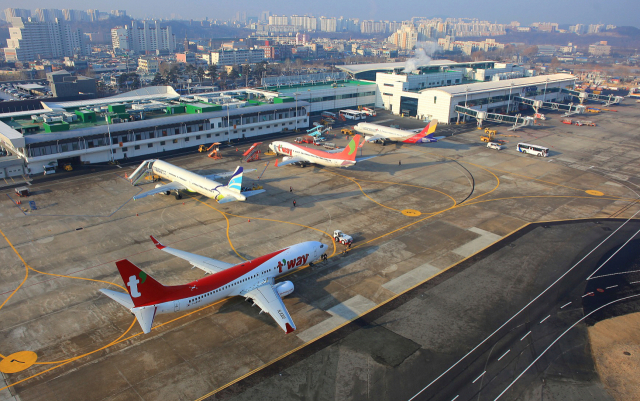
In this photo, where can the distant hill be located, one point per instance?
(624, 36)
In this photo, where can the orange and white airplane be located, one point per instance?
(252, 279)
(302, 155)
(381, 133)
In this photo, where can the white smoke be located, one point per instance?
(421, 56)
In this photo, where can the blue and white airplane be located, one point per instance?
(182, 179)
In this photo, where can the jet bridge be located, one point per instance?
(480, 116)
(606, 99)
(568, 109)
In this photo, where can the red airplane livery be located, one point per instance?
(252, 279)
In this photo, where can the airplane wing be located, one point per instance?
(224, 175)
(292, 160)
(268, 299)
(375, 138)
(172, 186)
(201, 262)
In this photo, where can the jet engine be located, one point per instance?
(284, 288)
(165, 192)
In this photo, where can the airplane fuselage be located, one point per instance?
(237, 280)
(192, 181)
(310, 155)
(388, 133)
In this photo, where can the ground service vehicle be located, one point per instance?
(347, 131)
(318, 141)
(350, 114)
(49, 169)
(342, 238)
(328, 114)
(306, 139)
(494, 145)
(567, 121)
(536, 150)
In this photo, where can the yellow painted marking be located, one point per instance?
(594, 192)
(18, 361)
(411, 212)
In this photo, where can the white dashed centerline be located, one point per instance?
(587, 294)
(634, 282)
(611, 286)
(525, 335)
(542, 321)
(567, 304)
(503, 355)
(478, 378)
(455, 398)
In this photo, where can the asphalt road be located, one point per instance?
(504, 363)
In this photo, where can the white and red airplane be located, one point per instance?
(381, 133)
(252, 279)
(302, 155)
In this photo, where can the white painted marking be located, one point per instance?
(567, 304)
(587, 294)
(524, 307)
(118, 166)
(614, 254)
(485, 239)
(542, 321)
(341, 313)
(634, 282)
(523, 337)
(558, 339)
(503, 355)
(615, 274)
(611, 286)
(402, 283)
(455, 398)
(478, 378)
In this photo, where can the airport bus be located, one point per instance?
(351, 114)
(328, 114)
(536, 150)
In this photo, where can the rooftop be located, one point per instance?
(504, 84)
(291, 89)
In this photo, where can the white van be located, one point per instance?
(494, 145)
(49, 169)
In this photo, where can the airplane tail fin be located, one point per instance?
(427, 132)
(143, 289)
(351, 150)
(235, 183)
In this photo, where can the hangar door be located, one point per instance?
(409, 106)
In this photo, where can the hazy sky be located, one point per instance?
(617, 12)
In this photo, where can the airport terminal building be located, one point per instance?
(144, 122)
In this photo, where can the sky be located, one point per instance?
(616, 12)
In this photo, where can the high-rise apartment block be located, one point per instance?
(16, 12)
(31, 40)
(143, 37)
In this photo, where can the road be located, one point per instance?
(523, 346)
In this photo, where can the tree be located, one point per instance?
(260, 69)
(212, 72)
(200, 74)
(234, 72)
(157, 80)
(189, 69)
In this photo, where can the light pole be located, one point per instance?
(544, 97)
(296, 113)
(509, 104)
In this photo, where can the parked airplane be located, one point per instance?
(182, 179)
(376, 132)
(302, 155)
(252, 279)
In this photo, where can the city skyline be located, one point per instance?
(617, 12)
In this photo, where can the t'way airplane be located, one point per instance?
(302, 155)
(182, 179)
(376, 132)
(252, 279)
